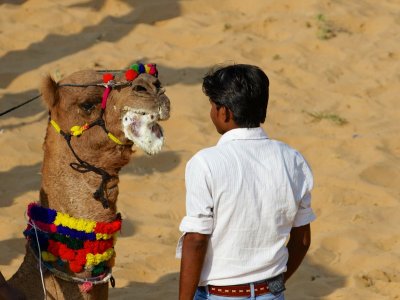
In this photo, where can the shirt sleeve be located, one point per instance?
(305, 214)
(199, 202)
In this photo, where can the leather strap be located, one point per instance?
(243, 290)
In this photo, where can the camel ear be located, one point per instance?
(49, 91)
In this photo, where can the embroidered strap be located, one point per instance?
(78, 131)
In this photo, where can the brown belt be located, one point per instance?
(242, 290)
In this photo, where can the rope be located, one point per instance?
(111, 71)
(19, 105)
(40, 260)
(111, 84)
(117, 84)
(84, 167)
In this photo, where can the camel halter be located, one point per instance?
(108, 83)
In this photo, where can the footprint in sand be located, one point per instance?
(381, 282)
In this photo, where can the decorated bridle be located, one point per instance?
(108, 83)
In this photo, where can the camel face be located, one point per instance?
(146, 104)
(132, 111)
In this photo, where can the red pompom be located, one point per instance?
(130, 74)
(75, 267)
(107, 77)
(153, 70)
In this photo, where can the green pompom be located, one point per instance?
(135, 67)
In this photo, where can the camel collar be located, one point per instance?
(71, 244)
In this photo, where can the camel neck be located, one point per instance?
(70, 191)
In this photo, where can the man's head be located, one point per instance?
(242, 90)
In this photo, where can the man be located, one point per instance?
(244, 198)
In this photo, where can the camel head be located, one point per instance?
(131, 111)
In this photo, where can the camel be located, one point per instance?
(95, 119)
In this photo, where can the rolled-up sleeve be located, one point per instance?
(305, 214)
(199, 202)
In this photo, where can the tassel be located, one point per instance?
(86, 287)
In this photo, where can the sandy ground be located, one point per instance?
(335, 76)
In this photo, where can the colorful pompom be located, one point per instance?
(153, 71)
(141, 69)
(130, 74)
(135, 67)
(107, 77)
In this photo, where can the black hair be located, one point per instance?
(241, 88)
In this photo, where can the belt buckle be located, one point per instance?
(276, 285)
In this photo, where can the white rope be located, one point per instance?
(40, 261)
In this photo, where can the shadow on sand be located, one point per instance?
(110, 29)
(311, 281)
(147, 165)
(28, 177)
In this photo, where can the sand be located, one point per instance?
(334, 71)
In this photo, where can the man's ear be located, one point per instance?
(228, 114)
(49, 91)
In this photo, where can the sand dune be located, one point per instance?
(334, 71)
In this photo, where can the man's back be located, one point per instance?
(253, 188)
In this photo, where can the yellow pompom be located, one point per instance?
(95, 259)
(47, 256)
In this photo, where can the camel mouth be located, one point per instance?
(142, 129)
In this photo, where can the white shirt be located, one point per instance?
(247, 192)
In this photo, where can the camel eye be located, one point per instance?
(139, 88)
(87, 106)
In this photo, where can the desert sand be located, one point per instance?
(334, 68)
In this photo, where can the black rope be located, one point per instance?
(81, 85)
(112, 84)
(19, 105)
(111, 71)
(84, 167)
(116, 84)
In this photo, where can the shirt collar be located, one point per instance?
(257, 133)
